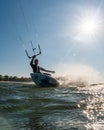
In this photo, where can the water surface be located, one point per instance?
(67, 107)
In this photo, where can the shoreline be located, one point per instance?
(17, 82)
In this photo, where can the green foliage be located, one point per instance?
(15, 78)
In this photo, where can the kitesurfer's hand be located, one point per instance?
(33, 56)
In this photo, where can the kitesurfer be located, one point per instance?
(36, 68)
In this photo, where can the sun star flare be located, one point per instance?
(88, 27)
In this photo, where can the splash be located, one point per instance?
(78, 74)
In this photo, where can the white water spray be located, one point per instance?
(79, 74)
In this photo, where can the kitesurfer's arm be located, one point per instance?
(46, 70)
(31, 62)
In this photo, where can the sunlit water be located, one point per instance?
(67, 107)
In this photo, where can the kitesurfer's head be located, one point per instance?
(36, 61)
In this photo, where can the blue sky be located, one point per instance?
(53, 24)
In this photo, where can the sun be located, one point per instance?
(88, 27)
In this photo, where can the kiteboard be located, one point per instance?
(44, 80)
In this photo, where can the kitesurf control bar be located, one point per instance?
(33, 51)
(27, 54)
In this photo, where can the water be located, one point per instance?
(67, 107)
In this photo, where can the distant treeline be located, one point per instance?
(14, 78)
